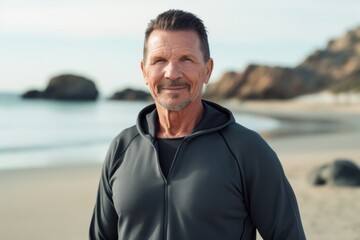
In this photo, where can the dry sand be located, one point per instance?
(56, 203)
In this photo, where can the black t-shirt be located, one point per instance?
(167, 148)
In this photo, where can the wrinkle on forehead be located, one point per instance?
(174, 43)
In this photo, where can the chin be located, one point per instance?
(174, 105)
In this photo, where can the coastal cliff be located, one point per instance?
(337, 66)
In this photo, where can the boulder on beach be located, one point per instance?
(341, 172)
(130, 94)
(66, 87)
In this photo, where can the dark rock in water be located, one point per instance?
(66, 87)
(71, 87)
(341, 172)
(32, 94)
(131, 95)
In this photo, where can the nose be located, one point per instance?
(172, 71)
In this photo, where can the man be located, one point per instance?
(187, 170)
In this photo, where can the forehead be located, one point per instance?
(160, 40)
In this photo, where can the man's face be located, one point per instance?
(175, 69)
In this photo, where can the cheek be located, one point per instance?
(153, 90)
(198, 79)
(153, 77)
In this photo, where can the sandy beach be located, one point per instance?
(322, 134)
(56, 203)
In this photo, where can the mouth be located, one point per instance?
(174, 90)
(174, 86)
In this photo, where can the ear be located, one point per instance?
(209, 67)
(143, 70)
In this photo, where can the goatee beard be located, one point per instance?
(174, 106)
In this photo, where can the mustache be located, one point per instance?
(173, 83)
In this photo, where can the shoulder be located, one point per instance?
(123, 139)
(119, 146)
(249, 147)
(126, 136)
(239, 134)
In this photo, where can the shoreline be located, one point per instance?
(57, 201)
(299, 118)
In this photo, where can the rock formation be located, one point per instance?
(264, 82)
(226, 87)
(131, 94)
(341, 172)
(339, 61)
(66, 87)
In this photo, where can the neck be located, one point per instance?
(174, 124)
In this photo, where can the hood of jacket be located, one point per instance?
(215, 118)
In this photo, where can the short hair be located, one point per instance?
(178, 20)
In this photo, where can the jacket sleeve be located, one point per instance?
(104, 219)
(269, 198)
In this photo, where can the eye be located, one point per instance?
(187, 59)
(157, 60)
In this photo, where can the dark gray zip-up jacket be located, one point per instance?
(225, 182)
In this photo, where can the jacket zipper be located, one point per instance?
(166, 213)
(165, 219)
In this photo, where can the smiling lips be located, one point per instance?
(173, 85)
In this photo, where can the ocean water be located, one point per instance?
(40, 133)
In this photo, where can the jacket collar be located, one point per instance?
(215, 118)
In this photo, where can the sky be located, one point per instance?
(103, 40)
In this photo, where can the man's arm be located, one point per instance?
(268, 196)
(104, 219)
(271, 201)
